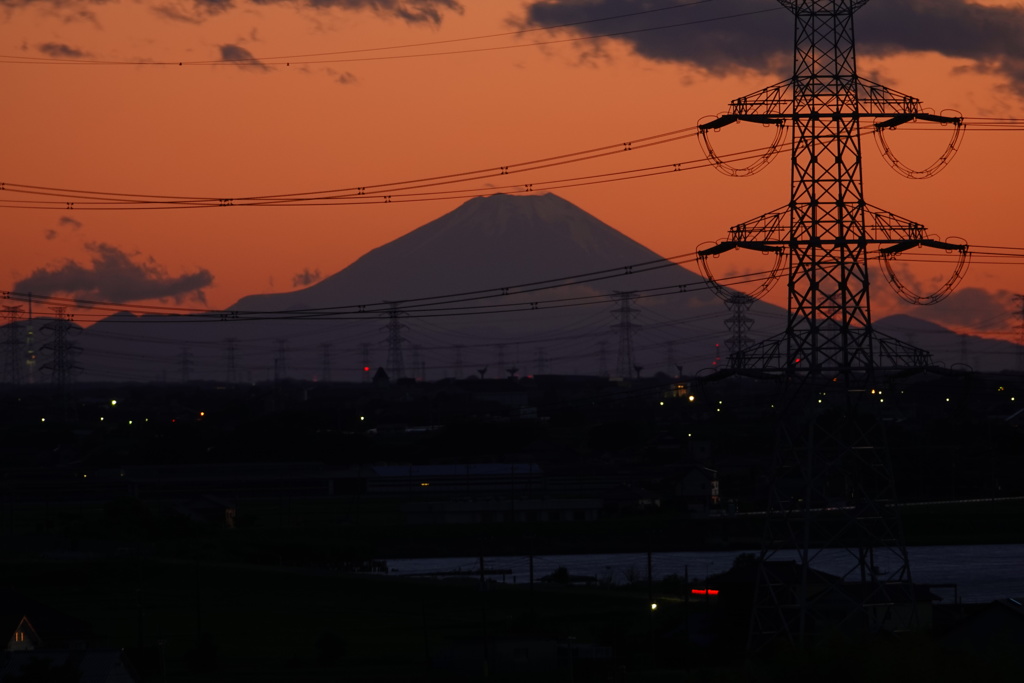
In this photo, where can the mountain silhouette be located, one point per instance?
(488, 242)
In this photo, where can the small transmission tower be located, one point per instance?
(739, 325)
(832, 492)
(62, 350)
(395, 362)
(15, 352)
(231, 359)
(625, 363)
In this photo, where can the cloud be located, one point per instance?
(411, 11)
(61, 51)
(244, 58)
(990, 36)
(62, 222)
(346, 78)
(115, 276)
(306, 278)
(974, 308)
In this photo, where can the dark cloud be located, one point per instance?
(51, 234)
(412, 11)
(61, 51)
(345, 78)
(68, 221)
(991, 36)
(241, 56)
(114, 276)
(196, 11)
(306, 277)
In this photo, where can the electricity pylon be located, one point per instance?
(739, 324)
(625, 362)
(832, 492)
(395, 364)
(826, 234)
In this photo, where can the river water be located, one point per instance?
(981, 573)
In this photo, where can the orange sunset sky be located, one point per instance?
(326, 97)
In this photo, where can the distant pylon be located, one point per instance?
(457, 365)
(61, 366)
(15, 357)
(231, 358)
(325, 362)
(281, 360)
(542, 361)
(395, 365)
(185, 364)
(418, 366)
(602, 358)
(625, 363)
(364, 354)
(739, 324)
(1019, 299)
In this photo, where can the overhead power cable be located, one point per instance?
(86, 200)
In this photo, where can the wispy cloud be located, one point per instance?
(62, 51)
(196, 11)
(306, 277)
(236, 54)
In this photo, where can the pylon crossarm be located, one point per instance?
(890, 227)
(888, 257)
(765, 234)
(759, 162)
(774, 100)
(947, 155)
(880, 100)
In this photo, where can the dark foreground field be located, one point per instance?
(271, 600)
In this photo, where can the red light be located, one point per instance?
(704, 591)
(366, 368)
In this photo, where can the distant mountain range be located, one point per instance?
(502, 284)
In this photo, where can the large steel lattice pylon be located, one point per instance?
(825, 237)
(832, 498)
